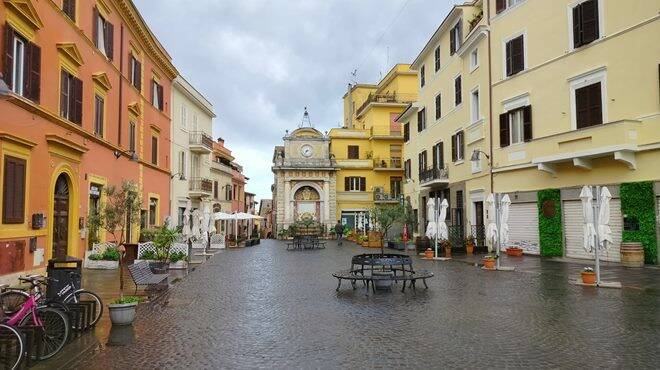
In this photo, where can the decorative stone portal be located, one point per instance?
(307, 204)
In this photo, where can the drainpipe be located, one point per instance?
(490, 99)
(121, 84)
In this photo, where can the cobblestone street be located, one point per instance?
(265, 307)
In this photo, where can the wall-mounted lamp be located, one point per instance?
(475, 156)
(117, 154)
(134, 157)
(181, 176)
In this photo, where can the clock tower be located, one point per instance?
(305, 178)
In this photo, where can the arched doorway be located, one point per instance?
(307, 201)
(61, 216)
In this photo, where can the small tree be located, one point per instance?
(119, 205)
(386, 216)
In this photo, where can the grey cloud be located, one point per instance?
(260, 62)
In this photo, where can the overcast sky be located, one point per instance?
(260, 62)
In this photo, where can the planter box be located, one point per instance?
(122, 314)
(101, 265)
(181, 265)
(514, 252)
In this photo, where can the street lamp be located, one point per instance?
(475, 156)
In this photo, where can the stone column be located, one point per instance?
(326, 201)
(287, 202)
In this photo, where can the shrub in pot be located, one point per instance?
(588, 275)
(429, 253)
(122, 310)
(489, 261)
(514, 251)
(469, 244)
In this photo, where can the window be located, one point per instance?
(438, 106)
(69, 8)
(157, 95)
(136, 72)
(438, 156)
(103, 34)
(458, 211)
(215, 190)
(355, 183)
(457, 147)
(154, 150)
(474, 59)
(153, 209)
(407, 168)
(182, 164)
(70, 97)
(437, 59)
(502, 5)
(515, 55)
(458, 94)
(184, 116)
(585, 23)
(455, 37)
(588, 105)
(516, 126)
(98, 115)
(13, 196)
(194, 122)
(421, 120)
(228, 190)
(422, 76)
(395, 186)
(353, 152)
(22, 65)
(406, 132)
(421, 157)
(476, 115)
(131, 136)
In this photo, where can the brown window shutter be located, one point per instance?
(363, 184)
(577, 26)
(582, 107)
(9, 56)
(77, 100)
(34, 73)
(589, 15)
(441, 157)
(452, 42)
(64, 94)
(500, 5)
(438, 106)
(153, 87)
(160, 98)
(504, 130)
(527, 123)
(347, 183)
(509, 58)
(154, 150)
(454, 149)
(518, 54)
(95, 26)
(461, 148)
(595, 105)
(109, 40)
(13, 208)
(457, 88)
(139, 76)
(69, 8)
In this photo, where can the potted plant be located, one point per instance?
(108, 260)
(122, 310)
(385, 216)
(178, 261)
(514, 251)
(163, 241)
(489, 261)
(429, 253)
(446, 245)
(469, 244)
(588, 275)
(232, 239)
(396, 243)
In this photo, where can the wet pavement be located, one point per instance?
(265, 307)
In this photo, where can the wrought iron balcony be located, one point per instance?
(200, 187)
(200, 142)
(434, 176)
(386, 98)
(395, 164)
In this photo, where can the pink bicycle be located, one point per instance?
(53, 323)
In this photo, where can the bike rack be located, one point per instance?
(33, 336)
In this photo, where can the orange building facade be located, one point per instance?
(238, 188)
(89, 107)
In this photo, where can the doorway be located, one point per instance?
(61, 217)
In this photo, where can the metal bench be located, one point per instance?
(143, 276)
(358, 275)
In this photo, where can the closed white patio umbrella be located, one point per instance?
(431, 216)
(604, 230)
(196, 224)
(588, 230)
(505, 205)
(491, 229)
(185, 231)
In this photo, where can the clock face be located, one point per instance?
(306, 151)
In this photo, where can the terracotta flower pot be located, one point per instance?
(489, 263)
(447, 252)
(514, 252)
(469, 248)
(588, 277)
(429, 253)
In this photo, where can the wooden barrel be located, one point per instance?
(632, 254)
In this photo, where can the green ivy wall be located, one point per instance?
(551, 234)
(638, 202)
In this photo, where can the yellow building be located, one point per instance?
(568, 91)
(368, 149)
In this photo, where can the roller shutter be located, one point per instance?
(524, 227)
(573, 231)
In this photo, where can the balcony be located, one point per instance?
(380, 197)
(200, 187)
(218, 166)
(388, 164)
(200, 142)
(433, 176)
(348, 163)
(387, 98)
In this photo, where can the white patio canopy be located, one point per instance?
(236, 217)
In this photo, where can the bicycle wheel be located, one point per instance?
(82, 296)
(55, 330)
(11, 301)
(12, 347)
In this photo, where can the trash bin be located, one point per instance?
(59, 269)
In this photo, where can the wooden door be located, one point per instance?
(479, 213)
(61, 217)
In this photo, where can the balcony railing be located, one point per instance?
(386, 98)
(201, 139)
(433, 174)
(220, 166)
(386, 197)
(201, 185)
(391, 163)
